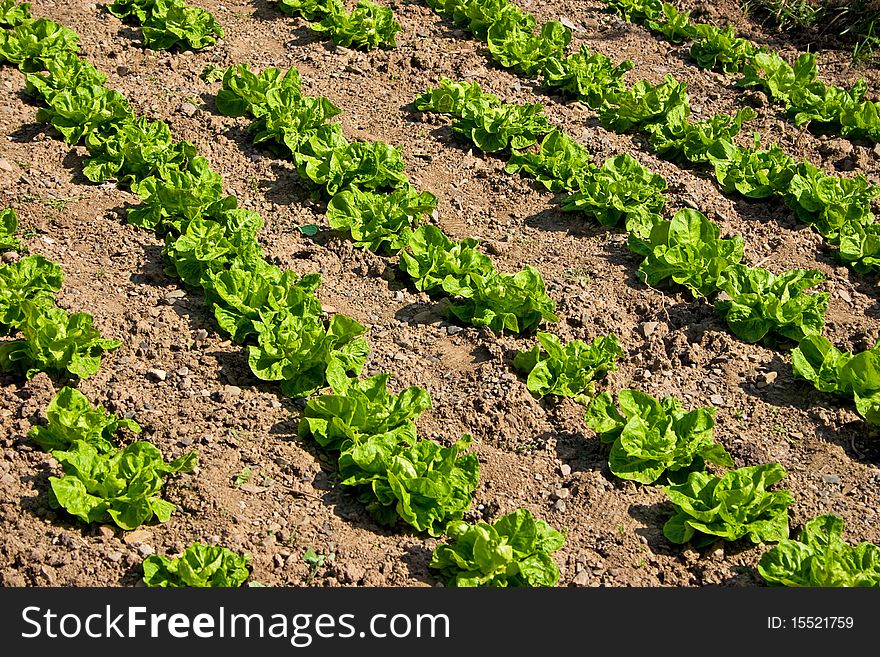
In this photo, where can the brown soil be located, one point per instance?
(533, 454)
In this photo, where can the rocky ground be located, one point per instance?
(192, 390)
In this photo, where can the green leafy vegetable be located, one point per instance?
(71, 418)
(8, 226)
(841, 372)
(54, 342)
(33, 43)
(761, 302)
(199, 565)
(382, 223)
(496, 128)
(688, 251)
(731, 507)
(359, 409)
(512, 551)
(368, 26)
(642, 103)
(422, 483)
(167, 23)
(32, 278)
(590, 77)
(298, 350)
(650, 438)
(621, 188)
(245, 292)
(514, 46)
(122, 487)
(567, 370)
(820, 557)
(561, 164)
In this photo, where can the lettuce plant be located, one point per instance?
(422, 483)
(515, 47)
(567, 370)
(382, 223)
(368, 26)
(515, 550)
(134, 150)
(72, 418)
(450, 97)
(13, 14)
(244, 293)
(8, 226)
(121, 487)
(642, 103)
(561, 164)
(359, 409)
(79, 111)
(841, 372)
(688, 251)
(496, 128)
(651, 438)
(32, 278)
(821, 558)
(676, 138)
(298, 350)
(761, 303)
(54, 342)
(734, 506)
(752, 172)
(720, 48)
(169, 23)
(589, 77)
(618, 190)
(200, 565)
(34, 42)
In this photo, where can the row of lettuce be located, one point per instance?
(372, 424)
(838, 208)
(796, 87)
(210, 243)
(654, 441)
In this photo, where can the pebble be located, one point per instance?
(831, 479)
(146, 550)
(582, 578)
(565, 469)
(560, 494)
(200, 334)
(188, 109)
(399, 296)
(137, 537)
(114, 555)
(717, 400)
(157, 374)
(231, 391)
(559, 505)
(452, 330)
(844, 294)
(648, 328)
(10, 257)
(5, 165)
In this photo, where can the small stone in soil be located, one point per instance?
(831, 479)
